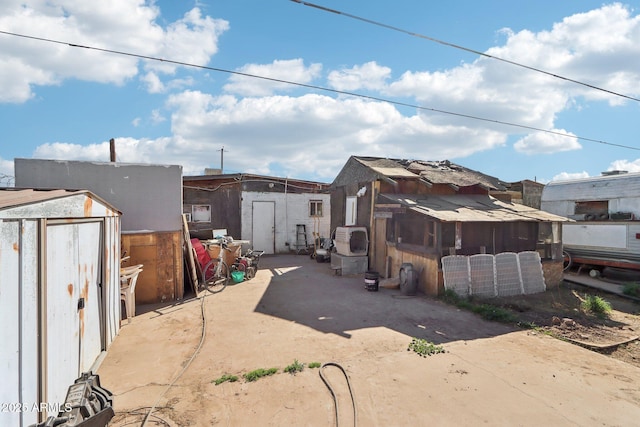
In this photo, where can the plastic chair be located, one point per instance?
(128, 280)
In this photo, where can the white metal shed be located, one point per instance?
(59, 295)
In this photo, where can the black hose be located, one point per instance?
(333, 394)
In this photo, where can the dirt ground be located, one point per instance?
(558, 312)
(163, 366)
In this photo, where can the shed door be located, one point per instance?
(263, 226)
(73, 334)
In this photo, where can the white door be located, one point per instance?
(73, 295)
(263, 226)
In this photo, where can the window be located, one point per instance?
(315, 208)
(201, 213)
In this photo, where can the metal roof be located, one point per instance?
(11, 197)
(435, 172)
(594, 188)
(470, 208)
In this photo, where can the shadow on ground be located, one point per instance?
(309, 293)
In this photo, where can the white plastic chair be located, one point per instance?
(128, 280)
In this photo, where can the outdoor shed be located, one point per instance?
(418, 212)
(150, 199)
(276, 215)
(59, 294)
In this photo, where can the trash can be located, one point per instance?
(371, 281)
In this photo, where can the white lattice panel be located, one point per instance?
(532, 275)
(455, 271)
(508, 277)
(482, 275)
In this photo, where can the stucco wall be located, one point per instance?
(149, 196)
(290, 209)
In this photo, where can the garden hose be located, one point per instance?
(333, 394)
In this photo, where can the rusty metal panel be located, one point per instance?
(9, 315)
(72, 310)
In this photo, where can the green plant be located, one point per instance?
(314, 365)
(596, 305)
(487, 311)
(259, 373)
(294, 367)
(424, 348)
(631, 289)
(225, 378)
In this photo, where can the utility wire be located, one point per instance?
(321, 88)
(466, 49)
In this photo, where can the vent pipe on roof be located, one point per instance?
(112, 150)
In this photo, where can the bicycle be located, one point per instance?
(216, 273)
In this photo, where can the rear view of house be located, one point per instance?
(419, 212)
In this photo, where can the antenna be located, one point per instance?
(221, 160)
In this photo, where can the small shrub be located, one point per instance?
(314, 365)
(596, 305)
(424, 348)
(294, 368)
(225, 378)
(631, 289)
(259, 373)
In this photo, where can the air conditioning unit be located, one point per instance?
(352, 241)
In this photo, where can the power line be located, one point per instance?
(321, 88)
(411, 33)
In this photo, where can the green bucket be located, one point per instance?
(237, 276)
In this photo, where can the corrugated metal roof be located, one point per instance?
(387, 167)
(470, 208)
(436, 172)
(11, 197)
(594, 188)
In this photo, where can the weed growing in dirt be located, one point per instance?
(424, 348)
(259, 373)
(225, 378)
(313, 365)
(631, 289)
(294, 368)
(487, 311)
(596, 305)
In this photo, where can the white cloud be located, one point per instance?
(565, 176)
(153, 83)
(625, 165)
(27, 63)
(136, 122)
(547, 143)
(292, 70)
(369, 76)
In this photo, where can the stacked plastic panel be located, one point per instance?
(486, 275)
(483, 281)
(508, 274)
(456, 274)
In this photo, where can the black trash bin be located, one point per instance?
(371, 281)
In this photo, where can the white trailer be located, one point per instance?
(606, 218)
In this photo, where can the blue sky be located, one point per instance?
(63, 102)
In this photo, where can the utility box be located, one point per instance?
(346, 265)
